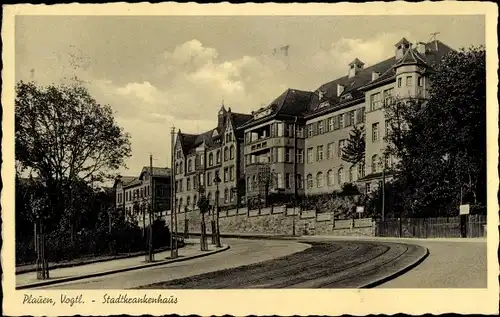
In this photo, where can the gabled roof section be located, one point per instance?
(351, 86)
(210, 138)
(239, 119)
(411, 57)
(157, 171)
(292, 102)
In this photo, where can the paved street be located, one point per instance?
(267, 264)
(242, 252)
(324, 265)
(451, 264)
(324, 262)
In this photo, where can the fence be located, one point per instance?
(443, 227)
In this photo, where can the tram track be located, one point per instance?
(344, 264)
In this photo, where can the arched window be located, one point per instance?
(330, 177)
(180, 204)
(226, 195)
(218, 156)
(190, 167)
(231, 152)
(309, 181)
(351, 174)
(195, 201)
(374, 163)
(340, 176)
(210, 159)
(226, 156)
(231, 194)
(319, 180)
(188, 202)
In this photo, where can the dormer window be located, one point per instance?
(323, 104)
(346, 97)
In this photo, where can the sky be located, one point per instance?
(157, 72)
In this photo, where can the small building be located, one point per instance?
(136, 194)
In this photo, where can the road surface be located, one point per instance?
(266, 264)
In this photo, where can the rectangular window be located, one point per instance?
(330, 150)
(421, 81)
(280, 128)
(309, 130)
(288, 183)
(388, 96)
(330, 124)
(400, 80)
(360, 115)
(408, 80)
(300, 156)
(320, 127)
(375, 135)
(188, 184)
(319, 153)
(341, 121)
(300, 132)
(300, 184)
(375, 102)
(209, 179)
(280, 154)
(226, 175)
(279, 180)
(341, 146)
(231, 173)
(310, 157)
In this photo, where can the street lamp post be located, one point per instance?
(235, 191)
(217, 180)
(173, 197)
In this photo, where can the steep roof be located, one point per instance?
(355, 86)
(157, 171)
(190, 141)
(292, 102)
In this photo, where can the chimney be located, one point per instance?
(354, 67)
(421, 48)
(340, 89)
(375, 75)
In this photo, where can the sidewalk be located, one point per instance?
(60, 275)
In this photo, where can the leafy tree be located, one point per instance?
(440, 143)
(354, 151)
(266, 180)
(64, 136)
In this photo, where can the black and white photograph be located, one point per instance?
(156, 154)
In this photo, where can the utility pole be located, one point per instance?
(295, 195)
(383, 191)
(173, 251)
(151, 209)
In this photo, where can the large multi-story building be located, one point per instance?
(135, 194)
(299, 137)
(200, 157)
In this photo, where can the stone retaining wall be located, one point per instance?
(279, 220)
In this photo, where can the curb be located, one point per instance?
(137, 267)
(253, 237)
(400, 272)
(91, 261)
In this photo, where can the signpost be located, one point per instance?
(464, 209)
(464, 213)
(360, 210)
